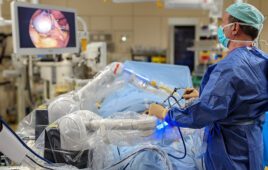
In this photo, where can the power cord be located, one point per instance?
(184, 147)
(136, 153)
(41, 166)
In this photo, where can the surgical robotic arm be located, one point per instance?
(82, 124)
(72, 137)
(123, 124)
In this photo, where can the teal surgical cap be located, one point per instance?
(247, 13)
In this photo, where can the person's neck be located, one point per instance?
(234, 45)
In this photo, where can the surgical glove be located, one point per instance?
(190, 93)
(158, 111)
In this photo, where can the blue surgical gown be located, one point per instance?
(265, 140)
(233, 99)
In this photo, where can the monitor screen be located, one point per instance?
(43, 30)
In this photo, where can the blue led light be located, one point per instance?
(161, 125)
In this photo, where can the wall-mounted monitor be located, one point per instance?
(42, 29)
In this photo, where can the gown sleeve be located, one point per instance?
(213, 104)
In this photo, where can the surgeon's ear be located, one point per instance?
(235, 28)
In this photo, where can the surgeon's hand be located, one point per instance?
(157, 110)
(190, 93)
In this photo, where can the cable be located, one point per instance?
(26, 146)
(177, 102)
(122, 160)
(184, 147)
(41, 166)
(135, 153)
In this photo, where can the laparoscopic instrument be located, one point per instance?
(173, 99)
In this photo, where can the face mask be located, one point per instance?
(222, 38)
(225, 41)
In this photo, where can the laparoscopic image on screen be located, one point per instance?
(49, 29)
(46, 28)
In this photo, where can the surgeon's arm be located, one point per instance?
(213, 104)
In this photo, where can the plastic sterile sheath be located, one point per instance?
(103, 125)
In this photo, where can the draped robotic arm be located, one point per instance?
(77, 126)
(76, 129)
(75, 132)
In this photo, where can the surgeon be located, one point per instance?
(233, 96)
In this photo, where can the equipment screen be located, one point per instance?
(46, 28)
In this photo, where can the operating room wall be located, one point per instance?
(263, 4)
